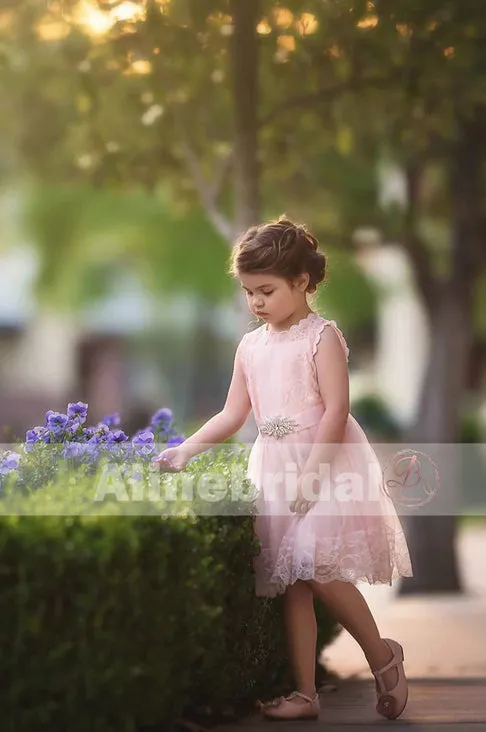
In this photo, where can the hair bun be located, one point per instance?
(311, 240)
(299, 230)
(286, 222)
(281, 247)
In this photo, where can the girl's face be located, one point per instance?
(272, 298)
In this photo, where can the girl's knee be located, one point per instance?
(330, 589)
(299, 587)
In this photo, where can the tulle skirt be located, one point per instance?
(351, 533)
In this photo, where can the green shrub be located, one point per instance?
(125, 622)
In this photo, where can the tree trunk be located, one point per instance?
(432, 539)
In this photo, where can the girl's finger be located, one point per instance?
(164, 464)
(162, 458)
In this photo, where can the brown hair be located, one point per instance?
(281, 248)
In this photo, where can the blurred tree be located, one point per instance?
(123, 113)
(87, 237)
(437, 54)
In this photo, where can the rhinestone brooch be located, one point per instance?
(278, 426)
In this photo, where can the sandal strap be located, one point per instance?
(391, 664)
(377, 673)
(302, 696)
(394, 662)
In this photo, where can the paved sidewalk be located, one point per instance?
(444, 640)
(432, 705)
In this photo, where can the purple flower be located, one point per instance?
(143, 431)
(115, 443)
(102, 431)
(112, 420)
(74, 450)
(9, 463)
(144, 443)
(117, 436)
(46, 436)
(49, 414)
(162, 419)
(73, 428)
(33, 436)
(175, 441)
(56, 422)
(88, 432)
(78, 411)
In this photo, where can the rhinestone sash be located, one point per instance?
(278, 426)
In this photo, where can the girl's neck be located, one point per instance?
(295, 319)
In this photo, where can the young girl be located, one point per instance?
(292, 372)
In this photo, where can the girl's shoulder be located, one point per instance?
(321, 325)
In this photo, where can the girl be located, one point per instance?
(292, 371)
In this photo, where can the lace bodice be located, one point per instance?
(279, 366)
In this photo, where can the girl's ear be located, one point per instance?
(299, 282)
(302, 281)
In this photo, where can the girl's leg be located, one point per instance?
(301, 625)
(350, 609)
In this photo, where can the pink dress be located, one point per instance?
(353, 533)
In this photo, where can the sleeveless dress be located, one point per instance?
(350, 536)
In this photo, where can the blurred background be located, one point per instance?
(137, 139)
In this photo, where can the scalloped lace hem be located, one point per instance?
(277, 585)
(327, 562)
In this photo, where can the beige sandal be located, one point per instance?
(391, 703)
(283, 708)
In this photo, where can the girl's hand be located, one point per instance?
(171, 460)
(301, 505)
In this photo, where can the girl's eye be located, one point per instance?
(267, 293)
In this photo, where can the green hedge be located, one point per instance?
(127, 622)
